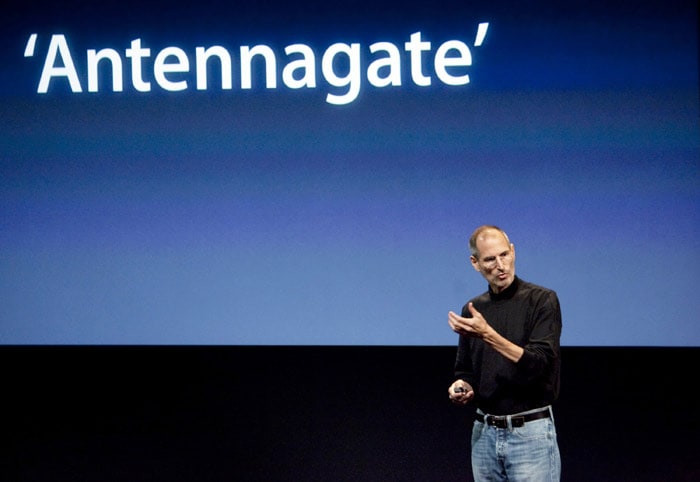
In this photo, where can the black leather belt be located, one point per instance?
(501, 421)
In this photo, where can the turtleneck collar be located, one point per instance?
(507, 293)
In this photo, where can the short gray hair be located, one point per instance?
(477, 232)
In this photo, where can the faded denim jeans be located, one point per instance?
(529, 453)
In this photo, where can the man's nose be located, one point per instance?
(499, 264)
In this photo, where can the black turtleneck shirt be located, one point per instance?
(529, 316)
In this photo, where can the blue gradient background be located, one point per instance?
(271, 217)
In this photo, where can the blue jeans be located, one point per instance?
(518, 454)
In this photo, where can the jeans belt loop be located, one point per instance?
(516, 422)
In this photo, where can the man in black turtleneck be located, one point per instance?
(508, 362)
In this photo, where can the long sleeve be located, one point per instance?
(529, 316)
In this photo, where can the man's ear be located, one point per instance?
(475, 263)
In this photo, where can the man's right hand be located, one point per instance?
(460, 392)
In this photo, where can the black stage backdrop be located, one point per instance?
(167, 413)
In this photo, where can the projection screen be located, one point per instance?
(308, 173)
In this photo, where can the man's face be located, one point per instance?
(496, 261)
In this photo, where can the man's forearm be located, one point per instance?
(503, 346)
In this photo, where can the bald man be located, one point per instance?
(507, 365)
